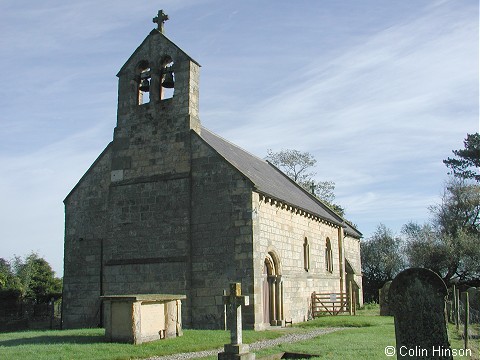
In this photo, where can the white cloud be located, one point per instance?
(380, 114)
(379, 101)
(33, 191)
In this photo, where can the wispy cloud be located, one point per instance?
(32, 193)
(379, 100)
(384, 113)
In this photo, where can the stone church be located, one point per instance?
(169, 207)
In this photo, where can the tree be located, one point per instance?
(424, 247)
(459, 209)
(297, 166)
(450, 243)
(37, 279)
(5, 273)
(467, 162)
(382, 260)
(9, 284)
(293, 163)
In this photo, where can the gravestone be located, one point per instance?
(417, 299)
(234, 301)
(383, 299)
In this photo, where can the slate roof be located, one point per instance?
(269, 180)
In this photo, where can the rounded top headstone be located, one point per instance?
(426, 277)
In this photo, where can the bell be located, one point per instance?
(168, 80)
(144, 85)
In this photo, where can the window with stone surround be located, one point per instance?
(306, 255)
(328, 256)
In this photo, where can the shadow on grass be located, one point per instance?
(50, 340)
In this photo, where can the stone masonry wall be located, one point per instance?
(281, 230)
(141, 192)
(352, 253)
(221, 234)
(147, 246)
(85, 230)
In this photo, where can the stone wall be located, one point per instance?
(281, 230)
(352, 254)
(85, 231)
(128, 219)
(146, 250)
(221, 234)
(148, 246)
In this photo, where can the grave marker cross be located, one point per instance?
(234, 303)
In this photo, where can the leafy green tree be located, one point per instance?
(297, 166)
(459, 209)
(382, 260)
(425, 247)
(450, 243)
(37, 279)
(9, 284)
(466, 164)
(5, 271)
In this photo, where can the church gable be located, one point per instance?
(85, 224)
(167, 45)
(99, 168)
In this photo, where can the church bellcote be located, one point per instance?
(158, 78)
(157, 108)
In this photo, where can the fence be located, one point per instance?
(466, 315)
(328, 304)
(23, 315)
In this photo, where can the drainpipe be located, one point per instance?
(341, 256)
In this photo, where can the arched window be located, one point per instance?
(328, 256)
(306, 255)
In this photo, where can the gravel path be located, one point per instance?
(288, 338)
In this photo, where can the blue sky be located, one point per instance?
(378, 91)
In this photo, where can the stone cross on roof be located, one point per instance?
(160, 20)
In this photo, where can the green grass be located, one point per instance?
(88, 344)
(351, 343)
(457, 342)
(364, 336)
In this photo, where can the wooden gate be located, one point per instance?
(328, 303)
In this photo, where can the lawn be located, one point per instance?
(364, 336)
(88, 344)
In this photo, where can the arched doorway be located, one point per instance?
(272, 291)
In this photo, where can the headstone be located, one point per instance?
(417, 299)
(234, 301)
(383, 299)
